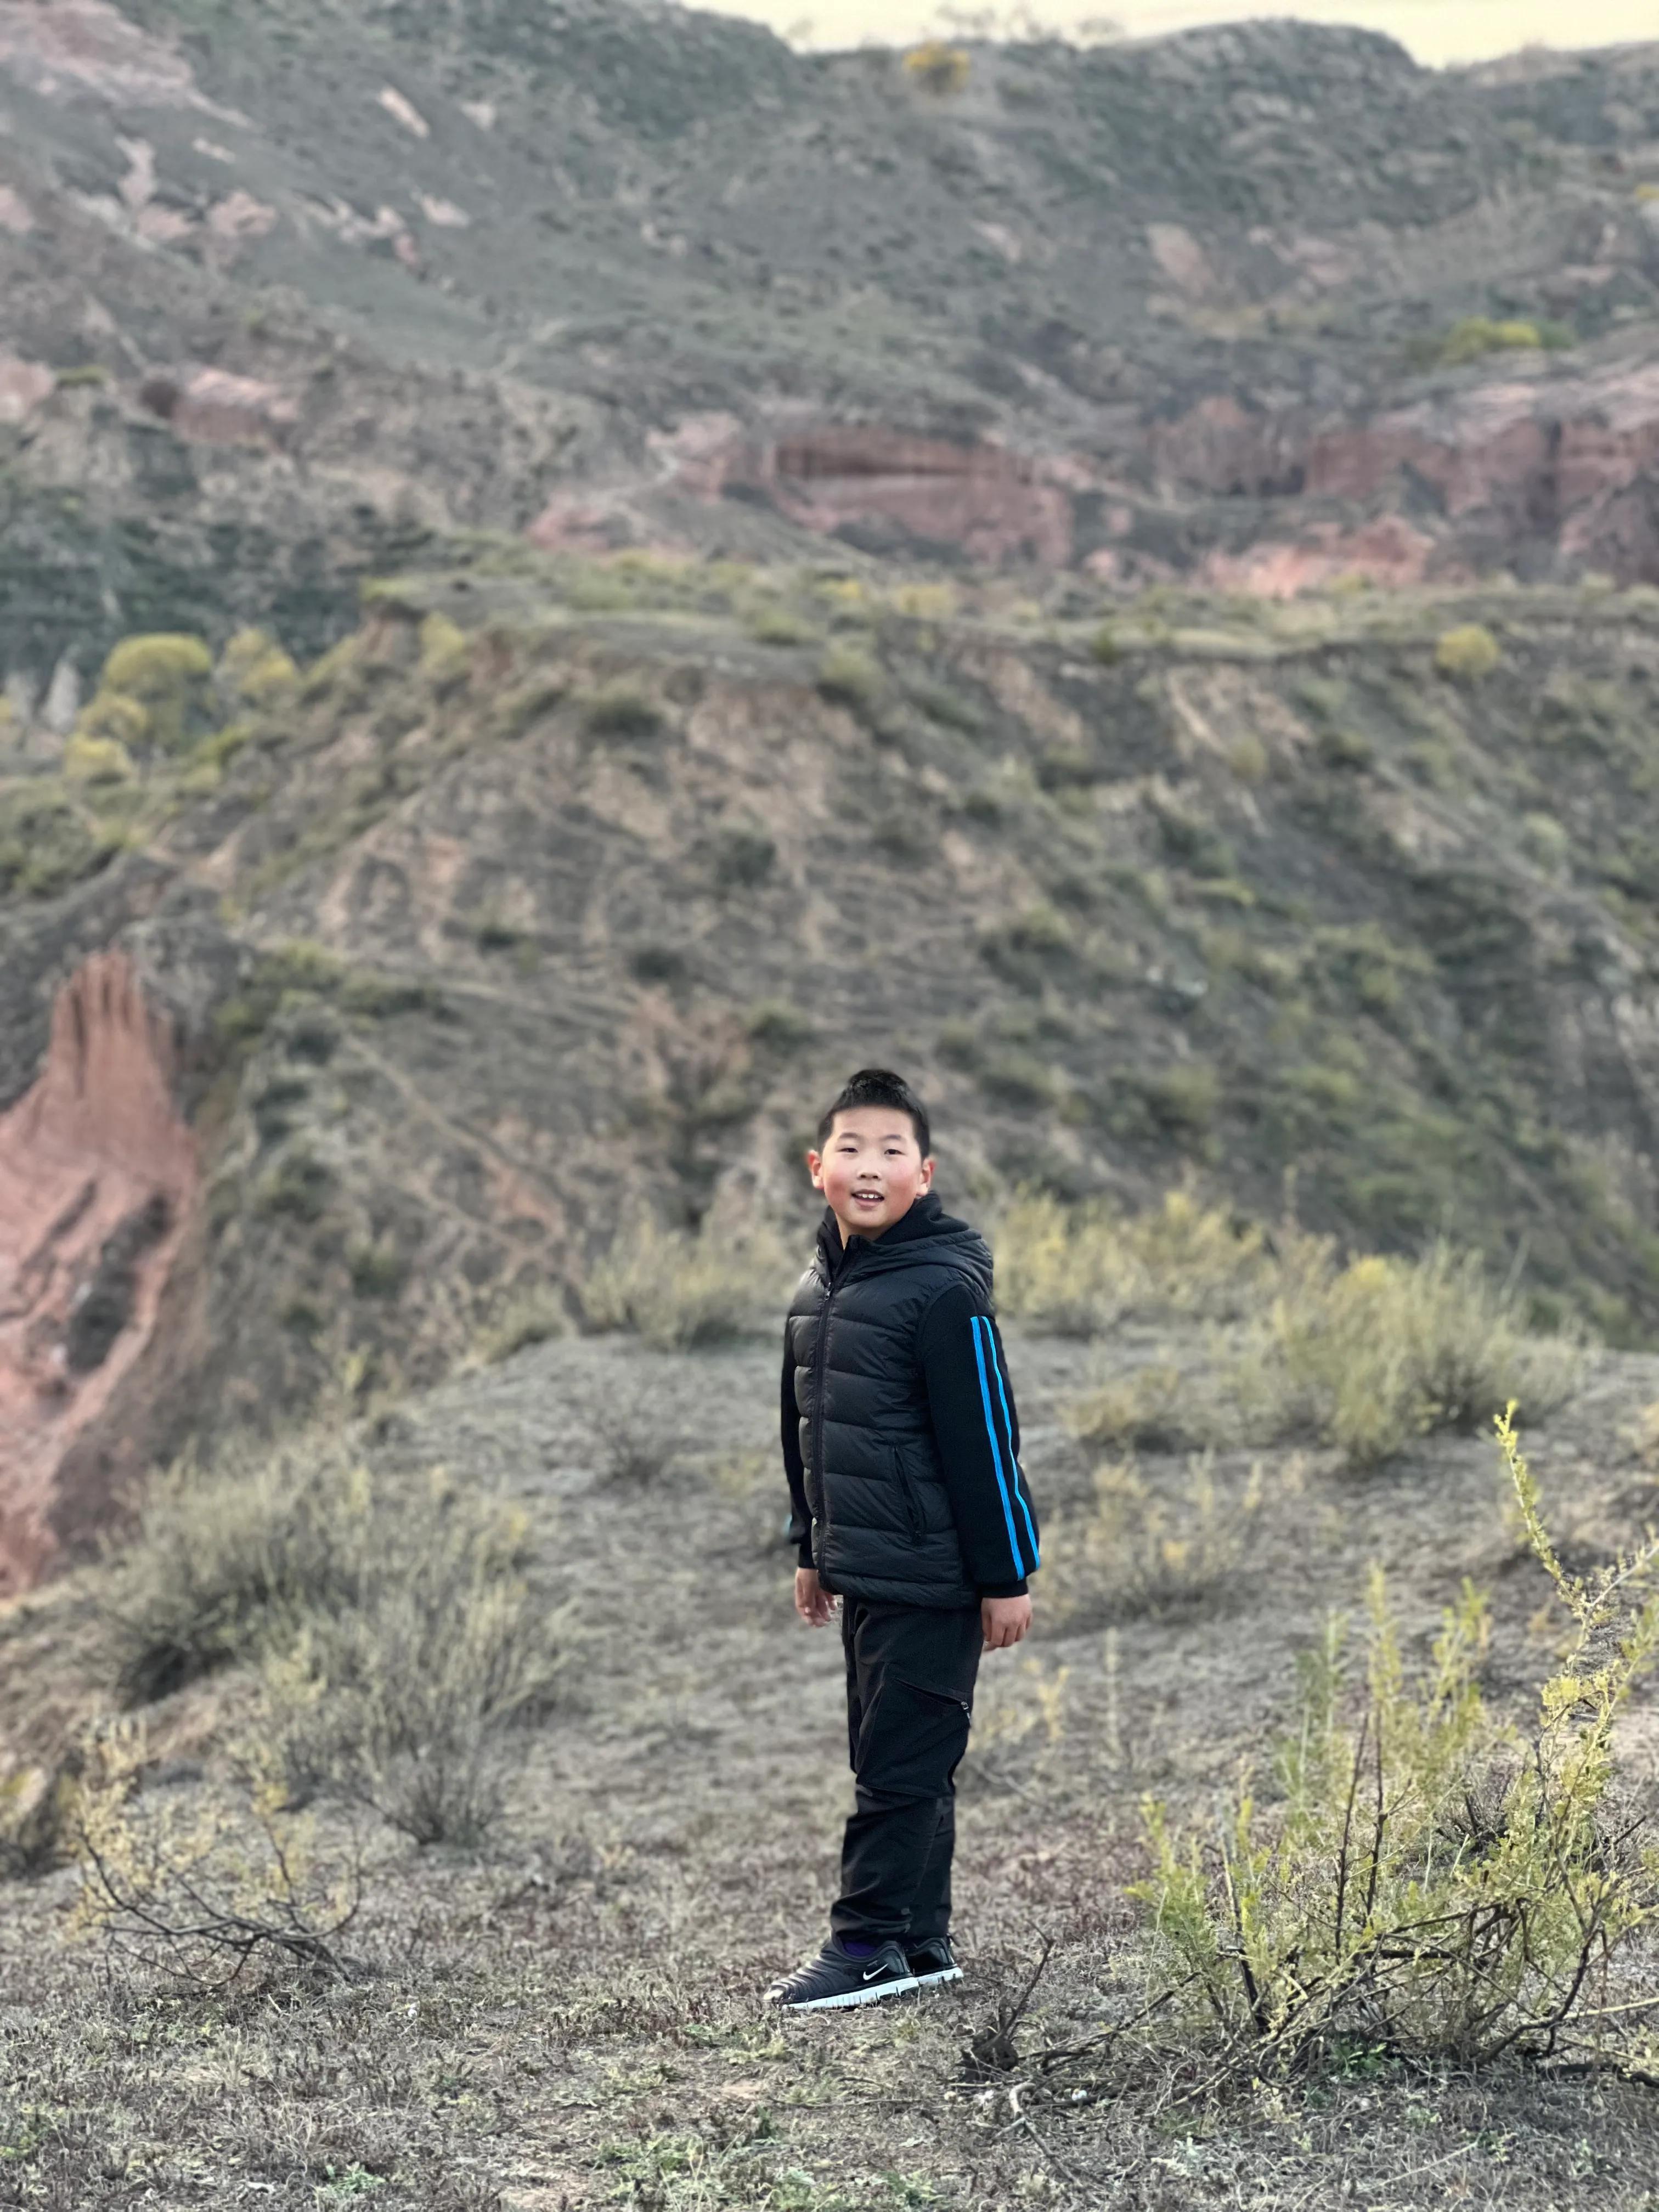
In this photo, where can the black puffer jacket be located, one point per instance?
(904, 1449)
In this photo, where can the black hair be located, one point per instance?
(877, 1087)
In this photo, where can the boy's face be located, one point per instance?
(870, 1170)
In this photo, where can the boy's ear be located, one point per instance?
(815, 1167)
(926, 1181)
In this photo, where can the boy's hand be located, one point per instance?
(1005, 1620)
(813, 1602)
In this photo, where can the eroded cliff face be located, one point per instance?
(99, 1184)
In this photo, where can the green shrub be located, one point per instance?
(849, 677)
(1370, 1355)
(781, 626)
(46, 841)
(621, 709)
(1468, 653)
(676, 1289)
(777, 1023)
(946, 707)
(1183, 1100)
(1432, 1884)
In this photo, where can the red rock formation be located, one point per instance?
(992, 504)
(98, 1188)
(1569, 463)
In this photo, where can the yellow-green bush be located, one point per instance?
(1433, 1883)
(255, 669)
(676, 1289)
(775, 625)
(91, 760)
(1476, 335)
(849, 677)
(48, 840)
(1468, 653)
(938, 68)
(446, 650)
(169, 676)
(112, 715)
(1078, 1269)
(1370, 1354)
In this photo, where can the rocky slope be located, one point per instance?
(562, 891)
(290, 290)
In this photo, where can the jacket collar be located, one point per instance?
(927, 1217)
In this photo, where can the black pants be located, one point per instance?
(910, 1672)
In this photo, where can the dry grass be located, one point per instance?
(676, 1289)
(1079, 1269)
(1143, 1544)
(1369, 1354)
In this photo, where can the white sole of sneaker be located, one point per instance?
(945, 1974)
(849, 1997)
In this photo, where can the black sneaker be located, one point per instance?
(835, 1978)
(932, 1961)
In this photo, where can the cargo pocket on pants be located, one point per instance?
(911, 1741)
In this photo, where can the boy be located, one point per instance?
(902, 1447)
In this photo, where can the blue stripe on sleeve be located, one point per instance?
(996, 1449)
(1008, 1424)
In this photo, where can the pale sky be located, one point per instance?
(1434, 30)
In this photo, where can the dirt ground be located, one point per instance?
(571, 2017)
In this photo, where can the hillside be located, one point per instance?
(292, 291)
(564, 2013)
(561, 893)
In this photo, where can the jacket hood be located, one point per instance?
(924, 1236)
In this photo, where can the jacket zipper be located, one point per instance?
(829, 1290)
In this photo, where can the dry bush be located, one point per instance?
(676, 1289)
(399, 1641)
(634, 1451)
(407, 1701)
(1140, 1549)
(222, 1563)
(33, 1806)
(201, 1882)
(1149, 1409)
(1367, 1355)
(1079, 1269)
(532, 1314)
(1433, 1883)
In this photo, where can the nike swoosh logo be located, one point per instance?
(870, 1972)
